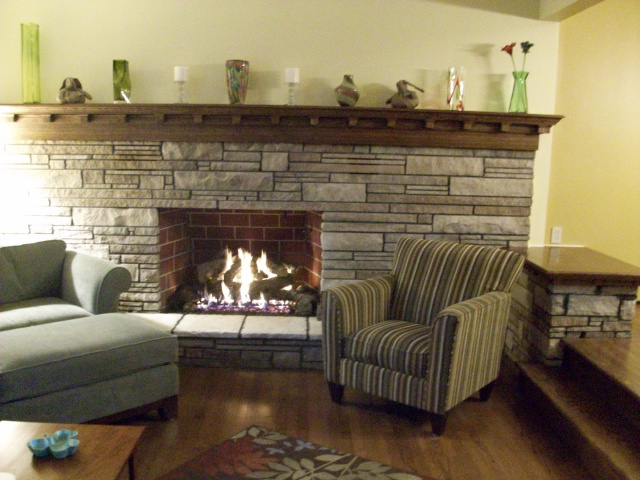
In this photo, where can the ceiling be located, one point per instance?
(551, 10)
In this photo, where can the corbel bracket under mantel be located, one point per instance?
(275, 124)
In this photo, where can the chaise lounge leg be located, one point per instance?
(485, 392)
(168, 410)
(438, 422)
(336, 390)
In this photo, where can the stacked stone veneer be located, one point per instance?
(543, 313)
(103, 197)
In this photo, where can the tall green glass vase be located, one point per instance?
(30, 63)
(121, 82)
(518, 101)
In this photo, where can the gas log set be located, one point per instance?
(244, 284)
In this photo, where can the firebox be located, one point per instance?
(239, 261)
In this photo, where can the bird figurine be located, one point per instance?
(405, 98)
(72, 92)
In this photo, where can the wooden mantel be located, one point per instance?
(274, 124)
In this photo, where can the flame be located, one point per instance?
(261, 264)
(226, 294)
(245, 277)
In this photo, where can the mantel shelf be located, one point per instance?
(274, 124)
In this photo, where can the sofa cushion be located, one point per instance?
(401, 346)
(30, 271)
(36, 311)
(56, 356)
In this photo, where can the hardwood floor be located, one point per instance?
(483, 441)
(496, 440)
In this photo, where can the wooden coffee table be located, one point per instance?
(103, 452)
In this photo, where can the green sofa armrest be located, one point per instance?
(347, 308)
(468, 341)
(92, 283)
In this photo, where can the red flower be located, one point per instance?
(526, 46)
(509, 48)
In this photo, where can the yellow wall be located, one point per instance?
(378, 41)
(595, 174)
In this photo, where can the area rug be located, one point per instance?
(262, 454)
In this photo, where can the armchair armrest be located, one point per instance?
(92, 283)
(347, 308)
(468, 341)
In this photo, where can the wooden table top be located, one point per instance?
(101, 455)
(579, 265)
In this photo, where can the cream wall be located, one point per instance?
(378, 41)
(595, 175)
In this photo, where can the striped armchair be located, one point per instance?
(430, 334)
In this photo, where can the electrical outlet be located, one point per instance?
(556, 235)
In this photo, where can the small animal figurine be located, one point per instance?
(405, 98)
(71, 91)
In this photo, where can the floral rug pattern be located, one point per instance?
(262, 454)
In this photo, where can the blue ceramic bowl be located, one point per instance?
(63, 435)
(64, 449)
(61, 444)
(73, 445)
(39, 446)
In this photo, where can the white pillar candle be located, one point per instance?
(180, 74)
(292, 75)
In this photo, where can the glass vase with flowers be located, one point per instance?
(519, 102)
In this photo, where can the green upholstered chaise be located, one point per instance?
(66, 355)
(44, 282)
(430, 334)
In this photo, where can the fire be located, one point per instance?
(237, 282)
(261, 263)
(246, 275)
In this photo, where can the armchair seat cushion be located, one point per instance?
(401, 346)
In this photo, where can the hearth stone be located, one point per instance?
(244, 341)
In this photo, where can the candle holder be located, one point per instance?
(292, 78)
(181, 85)
(180, 76)
(292, 93)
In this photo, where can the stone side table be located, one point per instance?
(569, 292)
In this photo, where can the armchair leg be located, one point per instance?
(485, 392)
(336, 390)
(438, 422)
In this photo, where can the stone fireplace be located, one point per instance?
(120, 182)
